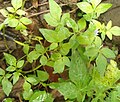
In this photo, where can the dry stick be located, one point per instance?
(46, 11)
(39, 13)
(38, 6)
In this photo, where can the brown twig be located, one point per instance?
(39, 13)
(38, 6)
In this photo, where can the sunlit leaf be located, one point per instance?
(16, 3)
(15, 77)
(6, 86)
(25, 20)
(85, 7)
(55, 10)
(11, 60)
(103, 7)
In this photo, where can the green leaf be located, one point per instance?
(72, 24)
(40, 48)
(8, 100)
(109, 35)
(68, 90)
(65, 16)
(38, 96)
(108, 53)
(13, 22)
(78, 71)
(98, 41)
(4, 12)
(2, 72)
(55, 10)
(6, 86)
(51, 20)
(62, 33)
(43, 60)
(103, 7)
(15, 77)
(27, 94)
(20, 26)
(11, 9)
(8, 75)
(49, 35)
(33, 55)
(49, 98)
(115, 30)
(64, 48)
(16, 3)
(11, 68)
(91, 52)
(32, 80)
(42, 75)
(26, 49)
(109, 25)
(55, 56)
(81, 24)
(85, 7)
(85, 39)
(53, 46)
(2, 25)
(20, 63)
(20, 12)
(26, 86)
(59, 65)
(101, 64)
(25, 21)
(95, 2)
(11, 60)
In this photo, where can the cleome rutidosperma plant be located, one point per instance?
(75, 46)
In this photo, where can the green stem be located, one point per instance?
(25, 72)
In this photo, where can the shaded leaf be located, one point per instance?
(2, 72)
(42, 75)
(101, 64)
(108, 53)
(68, 90)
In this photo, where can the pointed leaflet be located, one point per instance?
(101, 64)
(6, 86)
(103, 7)
(50, 20)
(11, 60)
(115, 30)
(108, 53)
(95, 2)
(85, 7)
(49, 35)
(55, 10)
